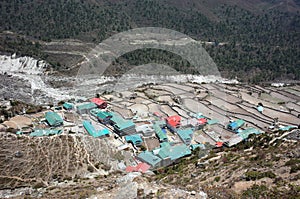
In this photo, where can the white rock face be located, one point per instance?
(26, 64)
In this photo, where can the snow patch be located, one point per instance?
(27, 65)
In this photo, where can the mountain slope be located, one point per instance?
(259, 47)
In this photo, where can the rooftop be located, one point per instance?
(149, 158)
(135, 139)
(53, 119)
(174, 120)
(88, 105)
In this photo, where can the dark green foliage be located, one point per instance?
(294, 164)
(256, 175)
(256, 191)
(258, 46)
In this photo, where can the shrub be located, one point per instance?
(256, 191)
(255, 175)
(217, 179)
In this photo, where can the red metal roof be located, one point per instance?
(202, 121)
(141, 167)
(219, 144)
(174, 120)
(99, 102)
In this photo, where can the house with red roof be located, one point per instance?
(99, 102)
(173, 122)
(141, 167)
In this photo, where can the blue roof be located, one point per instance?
(53, 119)
(103, 114)
(135, 139)
(92, 131)
(287, 128)
(149, 158)
(236, 124)
(44, 132)
(260, 109)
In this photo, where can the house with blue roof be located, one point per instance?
(235, 125)
(104, 117)
(196, 146)
(134, 139)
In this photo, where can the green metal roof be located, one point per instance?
(88, 105)
(160, 134)
(135, 139)
(67, 105)
(92, 131)
(212, 121)
(179, 151)
(103, 115)
(120, 122)
(185, 134)
(195, 146)
(174, 152)
(53, 119)
(45, 132)
(149, 158)
(245, 133)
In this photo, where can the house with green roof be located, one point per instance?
(92, 131)
(68, 106)
(185, 135)
(53, 119)
(85, 107)
(104, 117)
(134, 139)
(159, 133)
(149, 158)
(122, 126)
(170, 154)
(45, 132)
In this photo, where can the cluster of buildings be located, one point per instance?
(159, 142)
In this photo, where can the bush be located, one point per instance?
(256, 191)
(255, 175)
(217, 179)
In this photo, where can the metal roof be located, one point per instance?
(120, 122)
(174, 120)
(92, 131)
(45, 132)
(160, 134)
(67, 105)
(149, 158)
(88, 105)
(174, 152)
(135, 139)
(53, 119)
(245, 133)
